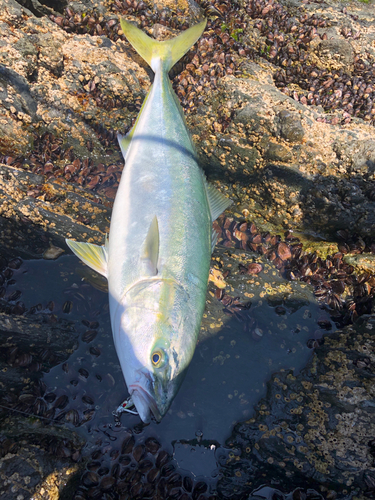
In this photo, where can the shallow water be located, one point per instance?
(226, 378)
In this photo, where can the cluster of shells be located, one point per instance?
(37, 361)
(222, 48)
(40, 359)
(62, 448)
(336, 285)
(10, 299)
(54, 161)
(216, 55)
(220, 51)
(137, 469)
(134, 467)
(287, 46)
(91, 88)
(7, 268)
(56, 406)
(49, 407)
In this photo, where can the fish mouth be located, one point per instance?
(144, 403)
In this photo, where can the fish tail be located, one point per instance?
(169, 51)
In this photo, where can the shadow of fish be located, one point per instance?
(157, 258)
(95, 279)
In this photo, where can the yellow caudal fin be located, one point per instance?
(169, 51)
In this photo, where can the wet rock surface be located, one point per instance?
(35, 461)
(279, 99)
(37, 343)
(324, 431)
(247, 293)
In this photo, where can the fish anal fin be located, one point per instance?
(94, 256)
(150, 250)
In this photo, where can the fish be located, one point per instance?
(157, 256)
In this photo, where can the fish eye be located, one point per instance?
(157, 358)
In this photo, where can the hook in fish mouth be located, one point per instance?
(144, 403)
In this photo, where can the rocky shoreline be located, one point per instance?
(280, 100)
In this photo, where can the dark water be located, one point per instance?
(226, 378)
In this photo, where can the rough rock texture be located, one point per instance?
(42, 69)
(39, 342)
(319, 426)
(294, 165)
(293, 148)
(34, 463)
(303, 173)
(62, 211)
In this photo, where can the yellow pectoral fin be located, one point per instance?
(92, 255)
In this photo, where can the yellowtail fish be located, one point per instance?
(157, 259)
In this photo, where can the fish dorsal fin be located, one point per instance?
(169, 51)
(124, 140)
(150, 250)
(217, 201)
(93, 256)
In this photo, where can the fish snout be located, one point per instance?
(145, 404)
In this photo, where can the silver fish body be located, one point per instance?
(161, 179)
(158, 256)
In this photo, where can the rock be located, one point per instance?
(364, 262)
(277, 152)
(290, 126)
(18, 330)
(160, 32)
(188, 8)
(29, 340)
(337, 51)
(316, 155)
(75, 216)
(364, 158)
(52, 252)
(40, 51)
(332, 398)
(91, 84)
(42, 8)
(254, 115)
(42, 469)
(18, 107)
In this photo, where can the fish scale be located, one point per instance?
(157, 258)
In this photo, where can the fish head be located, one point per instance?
(155, 340)
(154, 386)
